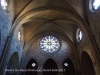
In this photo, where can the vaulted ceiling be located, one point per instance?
(58, 16)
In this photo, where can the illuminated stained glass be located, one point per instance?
(96, 4)
(3, 4)
(80, 35)
(49, 44)
(19, 35)
(33, 64)
(65, 64)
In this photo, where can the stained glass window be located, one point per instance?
(3, 4)
(79, 35)
(65, 64)
(49, 44)
(96, 4)
(19, 35)
(33, 64)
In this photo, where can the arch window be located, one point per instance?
(19, 35)
(96, 4)
(79, 35)
(49, 44)
(4, 4)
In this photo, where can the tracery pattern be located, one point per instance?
(49, 44)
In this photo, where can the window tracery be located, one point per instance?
(49, 44)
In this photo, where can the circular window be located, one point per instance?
(79, 35)
(49, 44)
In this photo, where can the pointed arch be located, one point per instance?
(68, 67)
(33, 66)
(13, 64)
(50, 67)
(86, 64)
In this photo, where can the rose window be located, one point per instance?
(49, 44)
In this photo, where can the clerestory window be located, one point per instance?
(4, 4)
(96, 4)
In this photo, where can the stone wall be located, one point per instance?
(5, 29)
(5, 26)
(86, 45)
(16, 45)
(34, 51)
(94, 22)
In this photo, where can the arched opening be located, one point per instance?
(13, 64)
(50, 68)
(68, 67)
(31, 67)
(86, 64)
